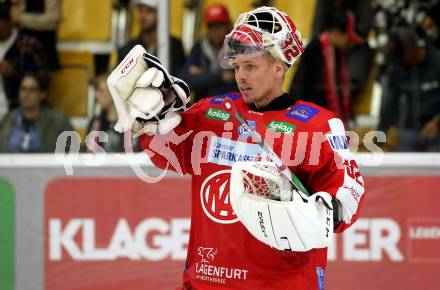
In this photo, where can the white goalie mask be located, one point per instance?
(263, 30)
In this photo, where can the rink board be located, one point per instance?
(103, 228)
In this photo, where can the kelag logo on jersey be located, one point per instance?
(217, 114)
(219, 99)
(302, 113)
(337, 142)
(243, 132)
(282, 127)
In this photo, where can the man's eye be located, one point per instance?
(250, 66)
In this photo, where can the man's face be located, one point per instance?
(217, 32)
(147, 18)
(30, 94)
(256, 77)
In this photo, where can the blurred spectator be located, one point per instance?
(39, 19)
(105, 120)
(360, 56)
(259, 3)
(202, 69)
(323, 76)
(422, 16)
(32, 127)
(148, 36)
(18, 54)
(411, 96)
(324, 10)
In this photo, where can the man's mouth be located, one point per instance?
(245, 89)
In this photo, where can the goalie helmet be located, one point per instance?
(263, 30)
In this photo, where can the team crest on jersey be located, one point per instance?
(206, 255)
(219, 99)
(302, 113)
(243, 132)
(214, 197)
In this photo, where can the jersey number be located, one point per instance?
(353, 171)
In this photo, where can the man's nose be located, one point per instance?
(239, 74)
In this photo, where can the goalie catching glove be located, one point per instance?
(276, 214)
(144, 91)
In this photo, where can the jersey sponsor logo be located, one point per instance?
(214, 197)
(226, 152)
(302, 113)
(282, 127)
(337, 142)
(243, 132)
(320, 274)
(219, 99)
(255, 113)
(206, 270)
(217, 114)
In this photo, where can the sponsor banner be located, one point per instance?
(7, 236)
(395, 243)
(121, 233)
(115, 233)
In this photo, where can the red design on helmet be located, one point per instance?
(264, 29)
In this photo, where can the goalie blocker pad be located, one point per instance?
(302, 224)
(127, 97)
(142, 89)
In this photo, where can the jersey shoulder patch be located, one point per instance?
(217, 100)
(309, 112)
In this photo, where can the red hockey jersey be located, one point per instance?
(222, 254)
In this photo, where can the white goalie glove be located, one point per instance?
(144, 91)
(276, 214)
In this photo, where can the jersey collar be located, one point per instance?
(280, 103)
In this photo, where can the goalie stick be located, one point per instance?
(229, 105)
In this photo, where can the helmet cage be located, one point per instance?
(263, 30)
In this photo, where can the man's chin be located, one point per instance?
(248, 99)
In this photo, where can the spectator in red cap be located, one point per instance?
(202, 69)
(323, 75)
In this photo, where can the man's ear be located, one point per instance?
(279, 68)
